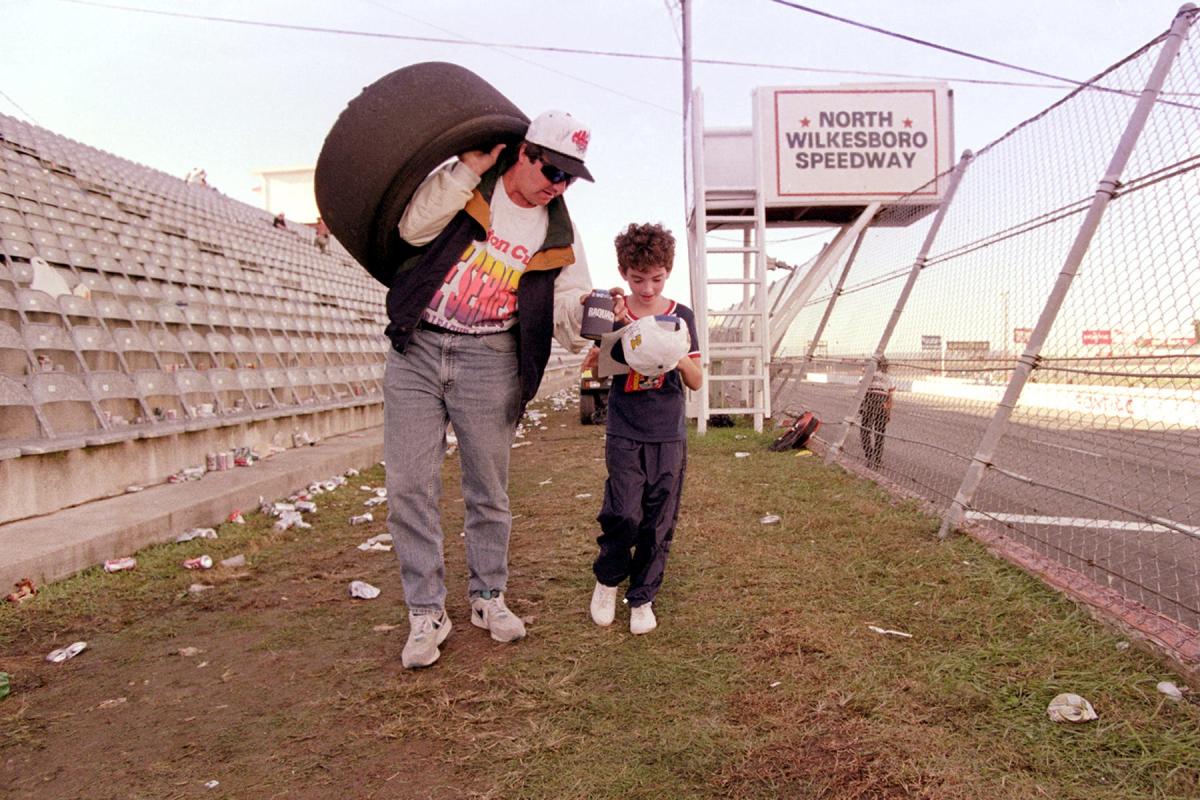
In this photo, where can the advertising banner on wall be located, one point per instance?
(855, 143)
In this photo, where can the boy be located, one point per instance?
(646, 443)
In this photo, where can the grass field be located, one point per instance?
(763, 679)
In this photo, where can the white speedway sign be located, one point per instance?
(856, 143)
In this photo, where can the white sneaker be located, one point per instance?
(491, 614)
(641, 619)
(604, 604)
(425, 632)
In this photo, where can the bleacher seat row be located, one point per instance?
(134, 304)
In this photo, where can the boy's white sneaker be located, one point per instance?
(491, 614)
(425, 632)
(641, 619)
(604, 604)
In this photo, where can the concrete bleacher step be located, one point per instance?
(57, 545)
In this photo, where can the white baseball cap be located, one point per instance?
(650, 346)
(564, 139)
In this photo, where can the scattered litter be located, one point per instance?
(302, 438)
(188, 652)
(770, 519)
(361, 519)
(66, 653)
(120, 564)
(306, 507)
(739, 436)
(365, 488)
(1070, 708)
(133, 489)
(521, 444)
(380, 629)
(363, 590)
(290, 519)
(212, 784)
(375, 501)
(236, 518)
(1122, 645)
(4, 685)
(25, 591)
(803, 453)
(199, 562)
(380, 542)
(116, 701)
(196, 533)
(546, 482)
(890, 632)
(583, 496)
(741, 454)
(775, 683)
(1170, 690)
(350, 473)
(233, 562)
(197, 588)
(381, 492)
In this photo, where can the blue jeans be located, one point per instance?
(470, 382)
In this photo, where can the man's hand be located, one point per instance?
(479, 161)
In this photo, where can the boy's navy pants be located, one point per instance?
(637, 521)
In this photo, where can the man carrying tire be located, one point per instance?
(497, 270)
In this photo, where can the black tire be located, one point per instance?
(389, 138)
(587, 407)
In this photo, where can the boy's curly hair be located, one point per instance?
(643, 247)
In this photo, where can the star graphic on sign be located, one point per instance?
(805, 122)
(908, 122)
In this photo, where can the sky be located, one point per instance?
(174, 93)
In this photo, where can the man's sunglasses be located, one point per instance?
(556, 175)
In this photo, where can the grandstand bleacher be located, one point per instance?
(145, 321)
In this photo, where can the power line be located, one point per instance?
(562, 50)
(18, 107)
(924, 43)
(500, 49)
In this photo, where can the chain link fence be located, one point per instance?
(1038, 336)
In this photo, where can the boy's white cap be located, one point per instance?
(564, 138)
(650, 346)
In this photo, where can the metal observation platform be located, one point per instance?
(826, 156)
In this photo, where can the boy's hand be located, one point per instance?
(479, 161)
(591, 360)
(620, 310)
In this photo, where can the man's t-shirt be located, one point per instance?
(652, 409)
(479, 294)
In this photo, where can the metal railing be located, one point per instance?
(1040, 336)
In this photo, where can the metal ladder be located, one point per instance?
(735, 341)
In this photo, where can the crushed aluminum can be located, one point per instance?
(210, 462)
(281, 508)
(290, 519)
(306, 506)
(1068, 707)
(363, 590)
(196, 533)
(193, 473)
(350, 473)
(361, 519)
(770, 519)
(199, 562)
(236, 518)
(120, 564)
(234, 562)
(375, 501)
(66, 653)
(25, 590)
(381, 492)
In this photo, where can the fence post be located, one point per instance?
(918, 265)
(1083, 239)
